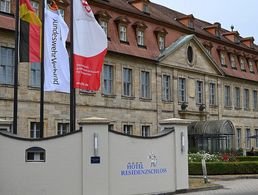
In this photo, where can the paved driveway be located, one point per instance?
(234, 187)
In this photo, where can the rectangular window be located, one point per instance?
(122, 33)
(251, 66)
(232, 61)
(242, 63)
(227, 96)
(35, 130)
(6, 65)
(127, 82)
(199, 92)
(145, 131)
(247, 139)
(212, 99)
(255, 100)
(63, 128)
(35, 75)
(62, 12)
(145, 84)
(238, 138)
(237, 97)
(161, 43)
(35, 6)
(166, 87)
(140, 37)
(108, 79)
(222, 58)
(256, 139)
(5, 6)
(182, 90)
(246, 99)
(104, 26)
(128, 129)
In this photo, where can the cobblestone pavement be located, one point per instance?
(234, 187)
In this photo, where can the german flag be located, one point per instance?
(30, 33)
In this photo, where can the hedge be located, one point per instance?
(247, 158)
(224, 168)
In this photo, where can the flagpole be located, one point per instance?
(15, 89)
(72, 90)
(42, 74)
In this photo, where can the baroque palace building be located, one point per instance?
(160, 64)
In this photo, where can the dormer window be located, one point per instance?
(161, 37)
(122, 22)
(232, 36)
(139, 30)
(104, 25)
(161, 42)
(242, 63)
(142, 5)
(188, 21)
(232, 60)
(140, 38)
(5, 6)
(251, 66)
(249, 41)
(122, 33)
(217, 32)
(103, 18)
(146, 8)
(214, 29)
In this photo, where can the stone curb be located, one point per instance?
(226, 177)
(200, 189)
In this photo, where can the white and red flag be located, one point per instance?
(90, 47)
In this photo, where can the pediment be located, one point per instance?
(177, 56)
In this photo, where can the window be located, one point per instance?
(145, 131)
(35, 6)
(242, 63)
(182, 90)
(108, 79)
(238, 138)
(145, 84)
(251, 66)
(62, 12)
(161, 43)
(212, 99)
(6, 65)
(122, 33)
(255, 100)
(35, 130)
(104, 25)
(222, 58)
(237, 97)
(111, 127)
(190, 24)
(227, 96)
(217, 32)
(190, 54)
(5, 6)
(63, 128)
(247, 139)
(199, 92)
(127, 82)
(128, 129)
(6, 127)
(232, 61)
(246, 99)
(145, 8)
(35, 75)
(140, 37)
(35, 154)
(256, 139)
(166, 88)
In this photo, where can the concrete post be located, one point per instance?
(181, 150)
(95, 159)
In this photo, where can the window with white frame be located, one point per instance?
(63, 128)
(256, 139)
(104, 25)
(212, 99)
(122, 33)
(238, 138)
(161, 42)
(251, 66)
(140, 37)
(35, 75)
(247, 139)
(222, 58)
(127, 82)
(108, 80)
(166, 87)
(35, 6)
(232, 61)
(145, 131)
(6, 65)
(35, 154)
(5, 6)
(242, 63)
(237, 97)
(128, 129)
(227, 96)
(145, 84)
(246, 99)
(199, 92)
(182, 90)
(255, 105)
(35, 130)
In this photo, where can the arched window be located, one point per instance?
(35, 154)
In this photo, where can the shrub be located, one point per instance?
(197, 157)
(247, 158)
(223, 168)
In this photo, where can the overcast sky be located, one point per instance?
(242, 14)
